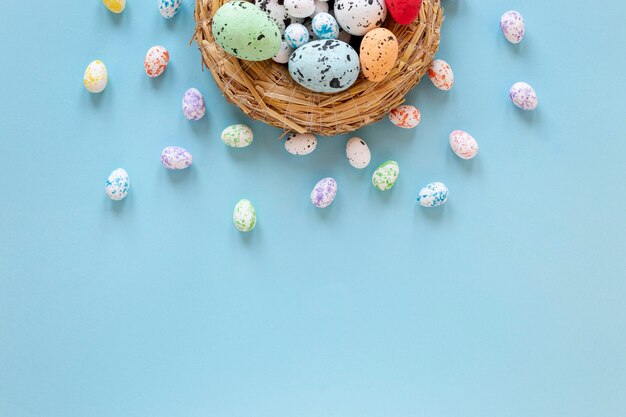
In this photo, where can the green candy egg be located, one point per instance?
(243, 30)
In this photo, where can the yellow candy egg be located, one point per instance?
(96, 77)
(379, 51)
(116, 6)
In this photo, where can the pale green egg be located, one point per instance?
(244, 216)
(385, 176)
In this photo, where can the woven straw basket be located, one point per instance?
(265, 91)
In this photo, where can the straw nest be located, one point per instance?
(265, 91)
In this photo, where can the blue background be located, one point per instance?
(507, 302)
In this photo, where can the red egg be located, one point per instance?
(404, 11)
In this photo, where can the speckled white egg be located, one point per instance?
(405, 116)
(512, 25)
(282, 57)
(244, 216)
(296, 35)
(324, 192)
(169, 8)
(385, 176)
(433, 195)
(358, 153)
(523, 96)
(193, 104)
(237, 136)
(156, 61)
(96, 77)
(358, 17)
(441, 75)
(275, 9)
(320, 7)
(300, 8)
(301, 143)
(176, 158)
(463, 144)
(325, 26)
(117, 184)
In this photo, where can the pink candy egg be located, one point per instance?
(156, 61)
(463, 144)
(441, 75)
(405, 116)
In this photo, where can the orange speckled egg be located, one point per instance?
(379, 51)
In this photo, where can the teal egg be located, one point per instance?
(243, 30)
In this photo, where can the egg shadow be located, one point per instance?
(433, 214)
(115, 18)
(176, 176)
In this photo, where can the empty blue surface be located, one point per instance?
(507, 302)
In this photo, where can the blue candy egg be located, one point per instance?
(325, 26)
(169, 8)
(433, 195)
(296, 35)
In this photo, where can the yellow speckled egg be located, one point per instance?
(116, 6)
(379, 51)
(96, 77)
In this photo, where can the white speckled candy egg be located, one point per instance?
(300, 8)
(523, 96)
(156, 61)
(357, 17)
(169, 8)
(296, 35)
(282, 57)
(193, 104)
(358, 153)
(96, 77)
(237, 136)
(325, 26)
(433, 195)
(276, 11)
(325, 66)
(117, 184)
(324, 192)
(463, 144)
(320, 7)
(385, 176)
(512, 25)
(301, 143)
(116, 6)
(405, 116)
(244, 216)
(175, 158)
(441, 75)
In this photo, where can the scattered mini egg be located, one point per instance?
(358, 153)
(296, 35)
(405, 116)
(379, 51)
(301, 143)
(463, 144)
(512, 25)
(169, 8)
(96, 77)
(116, 6)
(237, 136)
(117, 184)
(176, 158)
(440, 73)
(325, 26)
(276, 11)
(404, 12)
(156, 61)
(321, 6)
(193, 104)
(523, 96)
(282, 57)
(324, 192)
(300, 8)
(357, 17)
(385, 176)
(344, 36)
(433, 195)
(244, 216)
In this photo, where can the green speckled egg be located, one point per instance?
(244, 216)
(385, 176)
(243, 30)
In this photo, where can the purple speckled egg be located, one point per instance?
(512, 25)
(523, 96)
(174, 157)
(324, 192)
(193, 104)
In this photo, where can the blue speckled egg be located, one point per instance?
(296, 35)
(117, 184)
(169, 8)
(325, 66)
(433, 195)
(325, 26)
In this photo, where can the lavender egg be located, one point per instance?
(193, 104)
(175, 158)
(523, 96)
(512, 25)
(324, 192)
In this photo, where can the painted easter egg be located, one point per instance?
(325, 26)
(193, 104)
(96, 77)
(175, 158)
(282, 57)
(405, 116)
(463, 144)
(523, 96)
(117, 184)
(321, 6)
(296, 35)
(245, 31)
(325, 66)
(385, 176)
(512, 25)
(324, 192)
(433, 195)
(379, 51)
(156, 61)
(357, 17)
(404, 12)
(169, 8)
(116, 6)
(300, 8)
(275, 9)
(301, 143)
(237, 136)
(358, 153)
(441, 75)
(244, 216)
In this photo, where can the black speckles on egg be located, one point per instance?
(357, 17)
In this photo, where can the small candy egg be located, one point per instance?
(175, 158)
(512, 25)
(357, 17)
(156, 61)
(116, 6)
(463, 144)
(237, 136)
(523, 96)
(193, 104)
(404, 11)
(244, 216)
(300, 8)
(358, 153)
(325, 26)
(385, 176)
(433, 195)
(296, 35)
(379, 51)
(441, 74)
(282, 57)
(321, 6)
(117, 184)
(405, 116)
(324, 192)
(301, 143)
(276, 11)
(169, 8)
(96, 77)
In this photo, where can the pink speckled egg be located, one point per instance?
(156, 61)
(463, 144)
(441, 75)
(405, 116)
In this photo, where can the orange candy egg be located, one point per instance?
(156, 61)
(379, 51)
